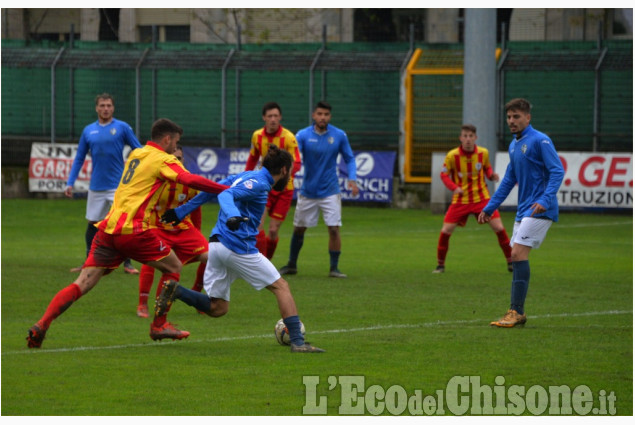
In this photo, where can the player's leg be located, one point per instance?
(443, 245)
(306, 215)
(503, 239)
(528, 234)
(261, 237)
(217, 280)
(160, 328)
(331, 208)
(146, 278)
(90, 275)
(272, 237)
(278, 205)
(456, 215)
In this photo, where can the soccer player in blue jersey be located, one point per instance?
(535, 166)
(105, 139)
(320, 144)
(232, 250)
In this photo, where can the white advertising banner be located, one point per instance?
(591, 180)
(50, 166)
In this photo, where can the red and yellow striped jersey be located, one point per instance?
(139, 190)
(172, 195)
(284, 139)
(468, 171)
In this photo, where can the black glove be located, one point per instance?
(170, 217)
(233, 223)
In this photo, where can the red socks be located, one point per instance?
(261, 242)
(271, 247)
(200, 272)
(146, 278)
(503, 241)
(60, 302)
(442, 248)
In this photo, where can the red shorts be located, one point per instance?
(459, 213)
(109, 251)
(186, 243)
(278, 203)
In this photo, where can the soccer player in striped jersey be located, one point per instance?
(464, 172)
(106, 139)
(129, 229)
(534, 165)
(278, 202)
(184, 238)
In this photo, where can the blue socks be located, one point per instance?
(520, 285)
(198, 300)
(293, 325)
(296, 244)
(335, 258)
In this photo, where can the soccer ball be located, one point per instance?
(282, 333)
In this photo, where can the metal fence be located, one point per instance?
(582, 91)
(215, 93)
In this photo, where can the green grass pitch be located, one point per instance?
(392, 321)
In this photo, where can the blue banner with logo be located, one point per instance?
(374, 170)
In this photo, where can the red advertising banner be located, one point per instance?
(50, 165)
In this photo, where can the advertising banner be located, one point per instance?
(592, 180)
(374, 170)
(50, 165)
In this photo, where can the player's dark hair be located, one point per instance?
(269, 106)
(518, 104)
(469, 127)
(277, 159)
(163, 127)
(104, 96)
(323, 104)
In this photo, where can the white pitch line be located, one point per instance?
(330, 331)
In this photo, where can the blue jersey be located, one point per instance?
(535, 166)
(319, 157)
(105, 143)
(247, 197)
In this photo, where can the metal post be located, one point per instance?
(500, 83)
(311, 77)
(138, 93)
(323, 85)
(479, 78)
(223, 108)
(154, 75)
(596, 91)
(237, 99)
(71, 71)
(53, 65)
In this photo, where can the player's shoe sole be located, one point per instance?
(167, 331)
(166, 298)
(305, 348)
(286, 270)
(510, 319)
(36, 336)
